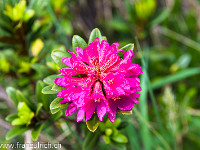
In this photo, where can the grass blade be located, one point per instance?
(144, 131)
(149, 87)
(162, 140)
(175, 77)
(180, 38)
(57, 25)
(132, 136)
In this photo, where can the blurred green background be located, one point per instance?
(168, 49)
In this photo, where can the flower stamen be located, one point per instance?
(116, 98)
(110, 81)
(97, 100)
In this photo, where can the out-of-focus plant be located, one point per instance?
(31, 115)
(17, 23)
(19, 12)
(144, 8)
(111, 133)
(25, 115)
(21, 46)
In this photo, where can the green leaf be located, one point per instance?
(120, 138)
(117, 122)
(104, 38)
(127, 47)
(108, 131)
(36, 132)
(39, 106)
(106, 139)
(18, 121)
(12, 95)
(11, 117)
(50, 79)
(42, 98)
(53, 111)
(25, 115)
(55, 116)
(16, 13)
(57, 88)
(28, 14)
(109, 124)
(22, 107)
(144, 9)
(77, 41)
(55, 105)
(102, 126)
(115, 132)
(90, 141)
(20, 97)
(5, 65)
(42, 70)
(94, 34)
(93, 123)
(15, 131)
(48, 90)
(57, 55)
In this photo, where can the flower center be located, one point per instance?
(95, 64)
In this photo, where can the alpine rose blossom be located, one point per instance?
(106, 82)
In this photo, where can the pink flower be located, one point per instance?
(107, 81)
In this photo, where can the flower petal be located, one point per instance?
(90, 111)
(107, 81)
(112, 107)
(78, 68)
(112, 117)
(80, 115)
(62, 81)
(114, 84)
(64, 101)
(133, 70)
(66, 61)
(70, 110)
(103, 51)
(97, 92)
(125, 103)
(113, 59)
(101, 110)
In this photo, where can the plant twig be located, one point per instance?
(28, 140)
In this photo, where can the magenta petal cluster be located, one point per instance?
(106, 82)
